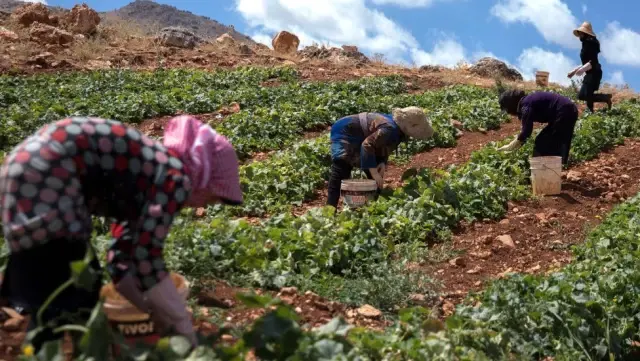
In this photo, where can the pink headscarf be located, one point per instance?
(211, 161)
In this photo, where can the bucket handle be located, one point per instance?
(551, 169)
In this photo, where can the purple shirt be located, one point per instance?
(540, 107)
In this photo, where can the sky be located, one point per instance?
(527, 34)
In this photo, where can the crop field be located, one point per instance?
(455, 261)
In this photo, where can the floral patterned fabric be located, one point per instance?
(53, 182)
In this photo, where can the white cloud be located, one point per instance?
(557, 64)
(617, 78)
(552, 18)
(620, 46)
(262, 38)
(332, 22)
(447, 52)
(406, 3)
(584, 9)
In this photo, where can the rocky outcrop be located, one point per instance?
(348, 53)
(32, 13)
(492, 68)
(285, 43)
(47, 34)
(82, 20)
(179, 37)
(225, 40)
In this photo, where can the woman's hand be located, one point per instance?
(377, 177)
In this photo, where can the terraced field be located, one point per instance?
(455, 261)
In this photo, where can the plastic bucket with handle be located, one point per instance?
(358, 192)
(546, 175)
(125, 318)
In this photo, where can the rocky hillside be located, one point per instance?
(160, 16)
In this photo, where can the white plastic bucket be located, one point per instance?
(358, 192)
(546, 175)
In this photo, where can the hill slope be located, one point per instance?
(152, 13)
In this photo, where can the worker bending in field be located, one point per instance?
(54, 181)
(366, 140)
(558, 111)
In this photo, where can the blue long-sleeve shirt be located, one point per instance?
(540, 107)
(349, 143)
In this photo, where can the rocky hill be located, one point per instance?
(160, 16)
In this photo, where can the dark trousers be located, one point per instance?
(32, 275)
(340, 170)
(590, 84)
(555, 139)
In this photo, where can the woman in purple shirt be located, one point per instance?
(557, 111)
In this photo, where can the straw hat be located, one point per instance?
(584, 28)
(413, 122)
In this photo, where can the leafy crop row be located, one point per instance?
(278, 251)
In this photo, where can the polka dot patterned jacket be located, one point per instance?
(53, 182)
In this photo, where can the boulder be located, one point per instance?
(336, 55)
(179, 37)
(225, 40)
(82, 20)
(31, 13)
(8, 35)
(490, 68)
(246, 50)
(47, 34)
(285, 43)
(350, 49)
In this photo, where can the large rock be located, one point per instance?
(82, 20)
(8, 35)
(491, 68)
(225, 40)
(47, 34)
(285, 43)
(31, 13)
(337, 55)
(179, 37)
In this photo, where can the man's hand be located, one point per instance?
(515, 144)
(382, 167)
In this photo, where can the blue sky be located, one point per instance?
(529, 34)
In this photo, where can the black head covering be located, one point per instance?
(509, 100)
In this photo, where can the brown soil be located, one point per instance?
(542, 230)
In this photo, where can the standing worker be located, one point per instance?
(54, 181)
(366, 140)
(558, 111)
(590, 67)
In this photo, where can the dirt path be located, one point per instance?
(536, 235)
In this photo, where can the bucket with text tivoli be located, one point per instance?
(134, 325)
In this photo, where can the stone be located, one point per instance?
(369, 311)
(490, 68)
(506, 240)
(474, 270)
(285, 43)
(289, 291)
(42, 59)
(457, 124)
(246, 50)
(179, 37)
(350, 48)
(481, 254)
(8, 35)
(417, 298)
(47, 34)
(225, 40)
(458, 261)
(574, 176)
(82, 20)
(32, 13)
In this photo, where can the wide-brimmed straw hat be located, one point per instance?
(584, 28)
(413, 122)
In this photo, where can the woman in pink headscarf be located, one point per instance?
(54, 181)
